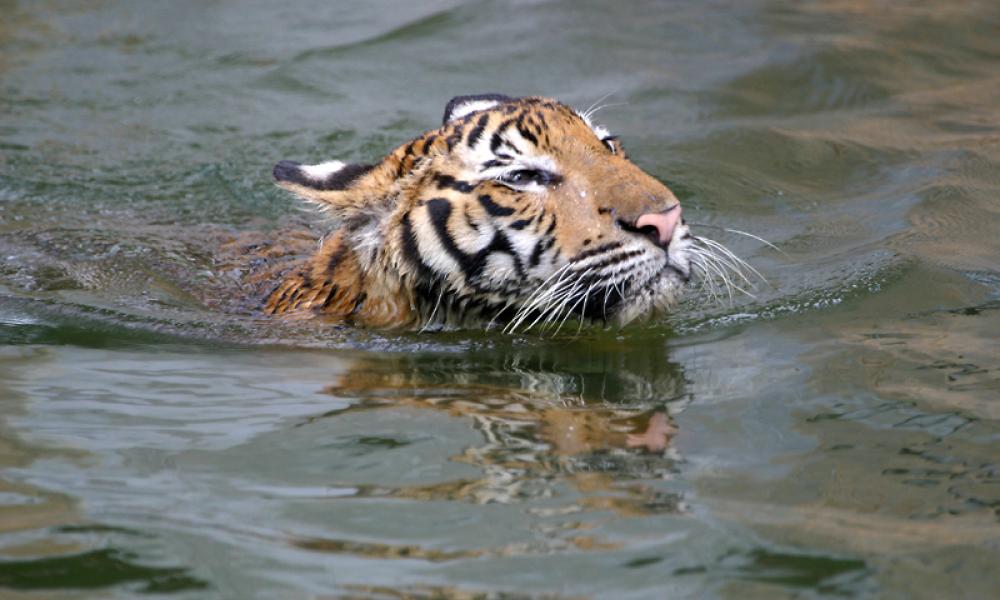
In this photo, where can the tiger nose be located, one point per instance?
(664, 223)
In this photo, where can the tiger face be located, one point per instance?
(517, 212)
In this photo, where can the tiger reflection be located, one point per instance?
(600, 426)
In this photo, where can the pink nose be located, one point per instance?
(664, 222)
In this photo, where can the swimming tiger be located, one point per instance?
(516, 212)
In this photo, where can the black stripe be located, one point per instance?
(548, 244)
(449, 182)
(501, 243)
(439, 211)
(520, 223)
(284, 294)
(358, 301)
(458, 130)
(552, 226)
(400, 168)
(412, 252)
(536, 254)
(494, 209)
(617, 258)
(477, 131)
(330, 297)
(525, 133)
(336, 256)
(497, 140)
(597, 250)
(407, 151)
(428, 143)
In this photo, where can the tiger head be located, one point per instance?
(515, 212)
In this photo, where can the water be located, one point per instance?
(837, 435)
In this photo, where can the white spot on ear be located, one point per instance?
(470, 107)
(599, 131)
(323, 170)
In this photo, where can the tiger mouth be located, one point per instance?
(600, 298)
(684, 276)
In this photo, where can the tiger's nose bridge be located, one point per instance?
(664, 222)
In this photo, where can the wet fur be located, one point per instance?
(436, 234)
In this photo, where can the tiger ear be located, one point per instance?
(459, 106)
(328, 176)
(332, 185)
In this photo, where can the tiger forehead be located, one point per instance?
(536, 120)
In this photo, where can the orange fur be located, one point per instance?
(438, 231)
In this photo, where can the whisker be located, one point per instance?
(707, 281)
(723, 249)
(548, 315)
(569, 313)
(603, 106)
(430, 319)
(561, 295)
(724, 261)
(590, 110)
(558, 298)
(758, 238)
(739, 232)
(539, 296)
(710, 264)
(729, 253)
(719, 266)
(604, 308)
(505, 306)
(541, 288)
(583, 310)
(565, 306)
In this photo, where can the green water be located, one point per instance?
(837, 435)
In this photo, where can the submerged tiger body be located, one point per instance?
(515, 213)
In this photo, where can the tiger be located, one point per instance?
(518, 212)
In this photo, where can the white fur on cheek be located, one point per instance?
(679, 249)
(323, 170)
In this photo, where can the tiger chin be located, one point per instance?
(516, 213)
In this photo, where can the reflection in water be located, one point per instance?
(26, 508)
(94, 569)
(43, 545)
(547, 414)
(539, 429)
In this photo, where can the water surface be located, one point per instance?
(834, 435)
